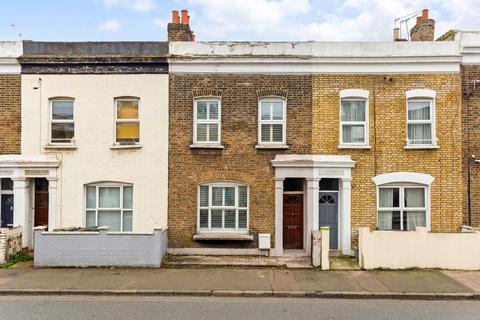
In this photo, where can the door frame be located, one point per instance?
(339, 202)
(303, 216)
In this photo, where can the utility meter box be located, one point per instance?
(264, 241)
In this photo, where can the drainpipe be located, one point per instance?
(471, 160)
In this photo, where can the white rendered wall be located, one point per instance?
(94, 160)
(418, 249)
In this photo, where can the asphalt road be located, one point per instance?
(172, 308)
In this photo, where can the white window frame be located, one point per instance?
(402, 208)
(355, 95)
(52, 121)
(223, 184)
(282, 122)
(115, 102)
(207, 121)
(97, 201)
(422, 95)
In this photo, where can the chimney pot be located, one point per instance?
(424, 14)
(175, 17)
(185, 17)
(419, 19)
(396, 34)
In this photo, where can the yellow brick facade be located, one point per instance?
(387, 134)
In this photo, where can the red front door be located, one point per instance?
(293, 221)
(41, 202)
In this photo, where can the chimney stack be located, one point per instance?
(424, 30)
(179, 29)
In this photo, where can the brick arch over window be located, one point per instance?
(207, 92)
(263, 93)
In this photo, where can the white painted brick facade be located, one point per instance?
(94, 160)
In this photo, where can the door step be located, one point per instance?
(211, 261)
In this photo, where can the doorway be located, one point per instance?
(6, 203)
(328, 210)
(41, 202)
(293, 213)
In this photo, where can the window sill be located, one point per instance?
(346, 146)
(206, 146)
(271, 146)
(60, 146)
(128, 146)
(413, 147)
(222, 236)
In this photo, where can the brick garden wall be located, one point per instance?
(387, 125)
(10, 114)
(239, 160)
(471, 140)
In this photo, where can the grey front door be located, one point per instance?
(328, 208)
(6, 210)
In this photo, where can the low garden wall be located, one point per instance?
(99, 248)
(419, 249)
(10, 242)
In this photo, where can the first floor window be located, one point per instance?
(109, 205)
(223, 207)
(207, 122)
(402, 207)
(353, 121)
(127, 122)
(420, 122)
(61, 122)
(272, 121)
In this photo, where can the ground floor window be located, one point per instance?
(223, 206)
(109, 205)
(402, 207)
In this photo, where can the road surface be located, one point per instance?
(172, 308)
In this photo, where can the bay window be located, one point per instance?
(223, 207)
(109, 205)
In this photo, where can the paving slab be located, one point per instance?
(470, 279)
(426, 281)
(284, 280)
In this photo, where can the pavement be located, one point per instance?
(239, 282)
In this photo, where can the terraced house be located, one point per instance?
(269, 141)
(10, 112)
(93, 135)
(240, 148)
